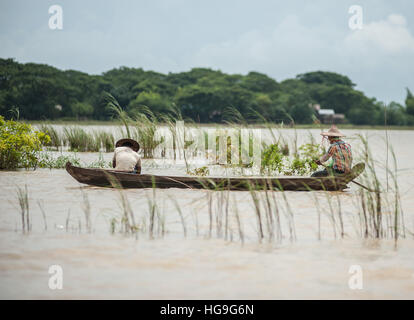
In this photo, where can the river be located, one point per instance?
(180, 260)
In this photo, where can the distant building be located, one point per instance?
(328, 115)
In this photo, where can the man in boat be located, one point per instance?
(126, 157)
(339, 151)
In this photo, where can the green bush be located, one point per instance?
(275, 160)
(272, 159)
(20, 144)
(304, 163)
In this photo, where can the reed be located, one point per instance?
(151, 208)
(377, 219)
(256, 203)
(178, 208)
(276, 210)
(86, 207)
(288, 213)
(145, 126)
(118, 112)
(80, 140)
(42, 210)
(67, 220)
(128, 219)
(56, 140)
(239, 223)
(226, 221)
(210, 212)
(23, 198)
(106, 140)
(113, 224)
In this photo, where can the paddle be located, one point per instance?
(357, 183)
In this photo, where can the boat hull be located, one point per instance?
(112, 178)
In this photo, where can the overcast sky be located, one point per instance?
(278, 38)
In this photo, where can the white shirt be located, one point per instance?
(126, 159)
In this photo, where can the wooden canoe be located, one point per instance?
(112, 178)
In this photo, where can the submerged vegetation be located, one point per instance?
(46, 160)
(378, 212)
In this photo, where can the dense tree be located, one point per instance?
(150, 99)
(392, 114)
(259, 82)
(409, 102)
(326, 78)
(43, 92)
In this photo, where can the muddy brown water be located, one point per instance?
(99, 264)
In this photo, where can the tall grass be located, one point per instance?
(42, 210)
(87, 211)
(81, 141)
(23, 198)
(378, 213)
(144, 129)
(56, 140)
(105, 140)
(78, 139)
(118, 112)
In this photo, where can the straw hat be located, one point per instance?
(135, 145)
(333, 132)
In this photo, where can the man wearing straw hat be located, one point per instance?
(126, 157)
(340, 152)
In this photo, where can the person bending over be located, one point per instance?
(126, 157)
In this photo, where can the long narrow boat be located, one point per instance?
(112, 178)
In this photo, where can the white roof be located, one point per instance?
(326, 111)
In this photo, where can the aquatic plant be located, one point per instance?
(100, 163)
(47, 160)
(42, 210)
(55, 138)
(20, 145)
(145, 127)
(107, 140)
(118, 112)
(23, 198)
(80, 141)
(272, 160)
(86, 206)
(202, 171)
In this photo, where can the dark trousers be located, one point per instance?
(327, 172)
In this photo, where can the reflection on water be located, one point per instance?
(104, 265)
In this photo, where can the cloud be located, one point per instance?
(378, 57)
(390, 36)
(279, 49)
(275, 38)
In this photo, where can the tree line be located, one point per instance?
(39, 91)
